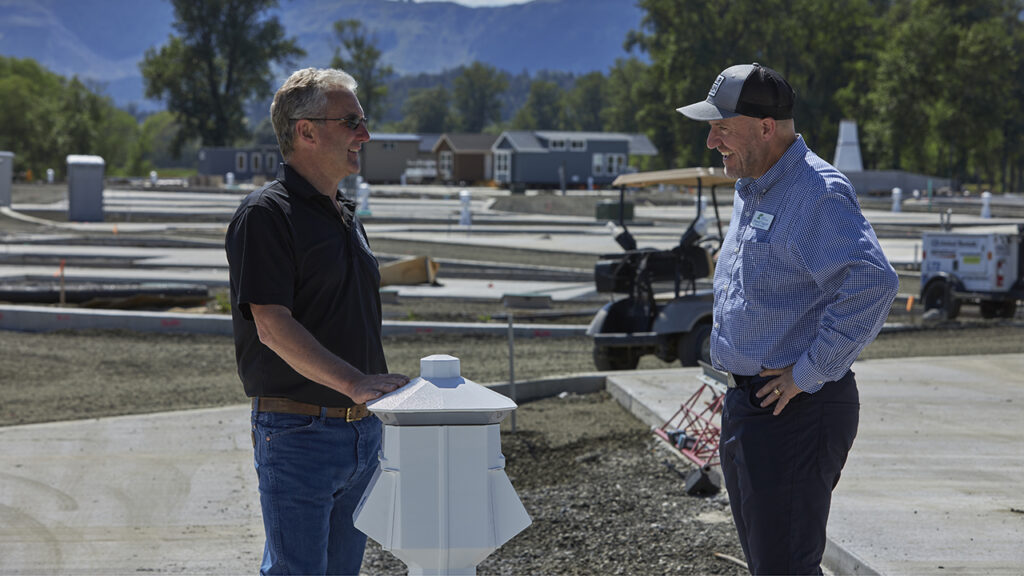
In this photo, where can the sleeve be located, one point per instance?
(261, 259)
(841, 253)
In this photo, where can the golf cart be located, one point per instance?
(676, 325)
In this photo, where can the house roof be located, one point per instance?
(530, 141)
(427, 142)
(523, 141)
(467, 143)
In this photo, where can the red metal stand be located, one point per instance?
(695, 429)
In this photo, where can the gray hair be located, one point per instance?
(304, 95)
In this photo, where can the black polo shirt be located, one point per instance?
(288, 245)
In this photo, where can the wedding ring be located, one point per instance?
(777, 392)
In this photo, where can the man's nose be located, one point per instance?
(713, 139)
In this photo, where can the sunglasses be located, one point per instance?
(352, 122)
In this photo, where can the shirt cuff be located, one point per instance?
(807, 377)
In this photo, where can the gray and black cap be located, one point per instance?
(745, 90)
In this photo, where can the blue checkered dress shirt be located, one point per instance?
(800, 279)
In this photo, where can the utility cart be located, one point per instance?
(982, 269)
(678, 324)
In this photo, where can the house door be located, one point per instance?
(445, 164)
(503, 166)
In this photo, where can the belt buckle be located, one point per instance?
(356, 413)
(732, 380)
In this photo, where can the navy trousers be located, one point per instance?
(780, 471)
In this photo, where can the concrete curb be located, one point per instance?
(49, 319)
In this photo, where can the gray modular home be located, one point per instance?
(387, 156)
(244, 163)
(544, 158)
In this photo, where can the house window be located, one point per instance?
(257, 163)
(598, 165)
(445, 162)
(577, 145)
(271, 163)
(387, 146)
(614, 163)
(240, 162)
(557, 144)
(503, 166)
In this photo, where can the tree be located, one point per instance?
(690, 41)
(220, 58)
(542, 109)
(428, 111)
(943, 103)
(362, 59)
(582, 105)
(45, 117)
(477, 92)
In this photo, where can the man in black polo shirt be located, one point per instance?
(305, 307)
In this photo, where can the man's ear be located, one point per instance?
(305, 132)
(767, 127)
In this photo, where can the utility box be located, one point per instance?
(6, 176)
(609, 210)
(440, 500)
(85, 188)
(981, 268)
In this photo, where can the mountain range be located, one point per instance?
(104, 40)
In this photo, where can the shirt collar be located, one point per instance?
(296, 184)
(749, 187)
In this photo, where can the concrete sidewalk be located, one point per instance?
(932, 486)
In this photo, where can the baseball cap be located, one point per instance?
(748, 90)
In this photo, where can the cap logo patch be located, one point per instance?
(714, 87)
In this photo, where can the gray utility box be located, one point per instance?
(6, 174)
(85, 188)
(609, 210)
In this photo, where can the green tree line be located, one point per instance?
(936, 86)
(46, 117)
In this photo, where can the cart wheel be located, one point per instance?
(702, 482)
(695, 345)
(936, 296)
(606, 358)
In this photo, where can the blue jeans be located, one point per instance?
(312, 473)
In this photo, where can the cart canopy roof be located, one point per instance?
(682, 176)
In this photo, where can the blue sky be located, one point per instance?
(478, 3)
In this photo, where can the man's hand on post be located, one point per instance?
(778, 390)
(372, 386)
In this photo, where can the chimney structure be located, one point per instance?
(847, 157)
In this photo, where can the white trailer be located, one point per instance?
(983, 269)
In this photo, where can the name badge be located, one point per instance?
(762, 220)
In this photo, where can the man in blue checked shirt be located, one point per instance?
(801, 287)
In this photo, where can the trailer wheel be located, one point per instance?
(607, 358)
(998, 309)
(695, 345)
(936, 296)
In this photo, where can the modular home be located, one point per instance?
(551, 159)
(464, 157)
(244, 163)
(387, 156)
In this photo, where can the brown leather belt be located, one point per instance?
(286, 406)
